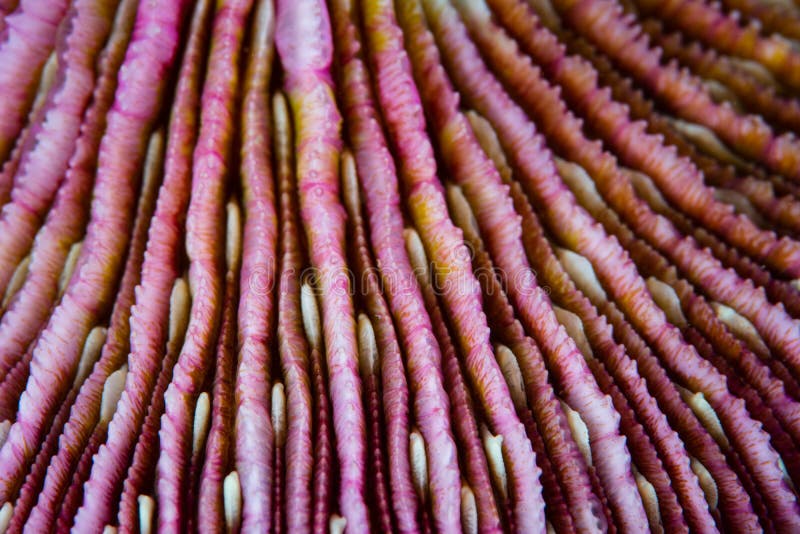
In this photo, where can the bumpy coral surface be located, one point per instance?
(399, 266)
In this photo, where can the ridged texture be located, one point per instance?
(218, 458)
(84, 425)
(150, 312)
(565, 473)
(44, 161)
(464, 416)
(679, 180)
(774, 18)
(255, 314)
(204, 234)
(292, 346)
(29, 36)
(445, 247)
(66, 220)
(624, 373)
(705, 20)
(782, 211)
(616, 361)
(586, 397)
(399, 265)
(774, 324)
(90, 290)
(708, 63)
(738, 512)
(318, 125)
(378, 178)
(598, 19)
(33, 481)
(9, 168)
